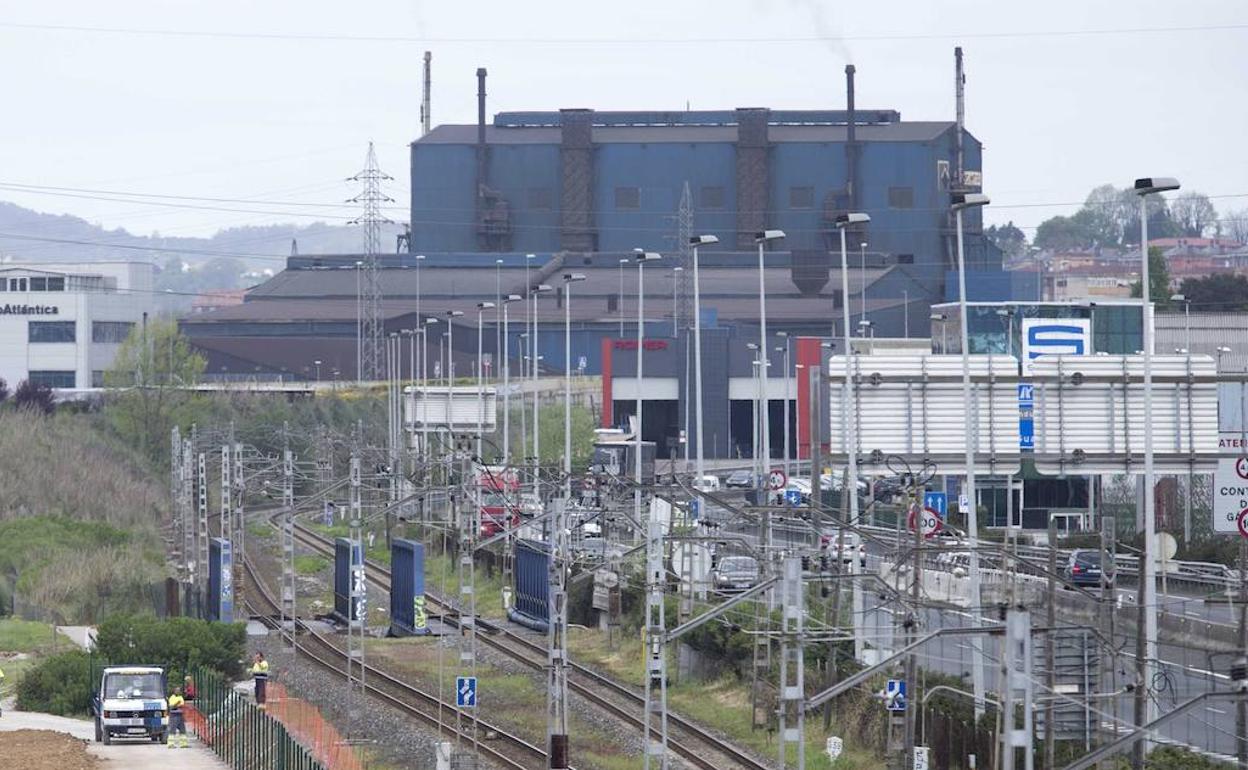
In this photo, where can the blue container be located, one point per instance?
(532, 588)
(408, 616)
(347, 554)
(220, 580)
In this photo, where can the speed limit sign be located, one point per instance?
(777, 479)
(928, 521)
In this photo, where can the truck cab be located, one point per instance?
(129, 702)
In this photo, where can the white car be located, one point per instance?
(707, 483)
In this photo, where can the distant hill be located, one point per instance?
(27, 235)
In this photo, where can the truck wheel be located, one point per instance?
(108, 738)
(163, 738)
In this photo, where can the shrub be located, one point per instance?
(60, 684)
(34, 397)
(179, 643)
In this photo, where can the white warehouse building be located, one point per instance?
(62, 323)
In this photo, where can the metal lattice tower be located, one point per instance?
(177, 485)
(371, 198)
(358, 609)
(201, 528)
(557, 668)
(239, 539)
(189, 551)
(682, 314)
(469, 526)
(227, 493)
(656, 661)
(792, 711)
(288, 544)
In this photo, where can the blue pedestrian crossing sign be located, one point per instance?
(895, 695)
(793, 497)
(466, 692)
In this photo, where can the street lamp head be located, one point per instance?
(938, 316)
(512, 298)
(431, 321)
(641, 255)
(485, 305)
(852, 218)
(317, 362)
(498, 261)
(1155, 184)
(542, 288)
(624, 260)
(573, 277)
(782, 334)
(1223, 349)
(752, 345)
(968, 200)
(864, 324)
(703, 240)
(420, 256)
(768, 235)
(454, 313)
(1180, 351)
(1178, 298)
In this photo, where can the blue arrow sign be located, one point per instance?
(895, 695)
(466, 692)
(938, 502)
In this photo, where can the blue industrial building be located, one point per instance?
(578, 180)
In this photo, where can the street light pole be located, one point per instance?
(785, 351)
(905, 309)
(762, 238)
(642, 258)
(481, 308)
(541, 288)
(862, 271)
(676, 271)
(619, 302)
(695, 242)
(568, 280)
(506, 364)
(843, 222)
(961, 202)
(1146, 657)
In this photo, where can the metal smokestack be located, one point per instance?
(851, 145)
(481, 111)
(959, 89)
(425, 118)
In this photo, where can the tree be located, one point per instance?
(1235, 225)
(1062, 233)
(1194, 214)
(1158, 280)
(4, 390)
(1225, 293)
(1008, 238)
(151, 373)
(34, 396)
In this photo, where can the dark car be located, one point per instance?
(740, 480)
(1084, 569)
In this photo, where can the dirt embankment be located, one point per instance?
(45, 750)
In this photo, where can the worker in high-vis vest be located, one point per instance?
(260, 672)
(177, 721)
(1, 687)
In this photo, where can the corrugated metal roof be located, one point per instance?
(1209, 331)
(915, 131)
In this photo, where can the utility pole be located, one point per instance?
(557, 642)
(1050, 642)
(1241, 705)
(469, 525)
(792, 663)
(288, 541)
(189, 542)
(201, 529)
(371, 199)
(913, 618)
(656, 662)
(239, 539)
(358, 608)
(177, 482)
(1016, 692)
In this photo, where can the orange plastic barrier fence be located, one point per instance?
(305, 723)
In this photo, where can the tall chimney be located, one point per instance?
(425, 118)
(481, 153)
(959, 89)
(851, 145)
(481, 112)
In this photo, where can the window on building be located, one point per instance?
(41, 283)
(17, 284)
(52, 378)
(901, 197)
(801, 197)
(51, 331)
(97, 378)
(540, 198)
(56, 283)
(905, 259)
(38, 283)
(627, 198)
(111, 331)
(711, 198)
(613, 303)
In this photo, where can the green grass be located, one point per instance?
(310, 564)
(26, 636)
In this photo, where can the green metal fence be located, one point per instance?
(239, 732)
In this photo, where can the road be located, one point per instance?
(138, 755)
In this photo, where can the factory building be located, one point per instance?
(62, 323)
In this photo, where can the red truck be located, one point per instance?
(499, 490)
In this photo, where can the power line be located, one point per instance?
(626, 40)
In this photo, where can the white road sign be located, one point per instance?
(1230, 485)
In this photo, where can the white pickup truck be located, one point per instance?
(130, 703)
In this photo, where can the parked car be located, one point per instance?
(830, 539)
(1084, 568)
(707, 483)
(735, 573)
(742, 479)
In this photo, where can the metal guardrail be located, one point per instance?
(242, 735)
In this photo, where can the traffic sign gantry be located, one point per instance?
(1230, 488)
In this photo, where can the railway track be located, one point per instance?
(510, 752)
(693, 743)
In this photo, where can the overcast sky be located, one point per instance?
(276, 100)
